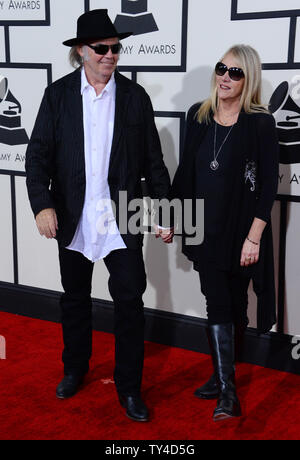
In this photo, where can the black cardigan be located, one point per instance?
(253, 193)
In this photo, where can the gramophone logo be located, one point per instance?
(11, 131)
(135, 18)
(287, 115)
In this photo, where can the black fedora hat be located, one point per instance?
(95, 25)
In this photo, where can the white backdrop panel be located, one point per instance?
(44, 44)
(211, 33)
(38, 257)
(33, 10)
(173, 285)
(2, 45)
(176, 91)
(258, 6)
(6, 242)
(276, 240)
(292, 311)
(297, 49)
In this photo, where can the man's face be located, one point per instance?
(99, 66)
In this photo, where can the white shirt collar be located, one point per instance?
(109, 88)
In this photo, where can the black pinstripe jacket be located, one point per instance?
(55, 161)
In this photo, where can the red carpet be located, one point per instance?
(30, 411)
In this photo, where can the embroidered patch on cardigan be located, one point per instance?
(250, 174)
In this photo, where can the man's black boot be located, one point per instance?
(69, 386)
(135, 408)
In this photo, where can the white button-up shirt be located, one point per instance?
(97, 233)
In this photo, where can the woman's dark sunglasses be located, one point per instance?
(235, 73)
(103, 49)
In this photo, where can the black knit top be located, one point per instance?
(214, 185)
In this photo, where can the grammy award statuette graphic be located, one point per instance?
(13, 136)
(135, 18)
(287, 114)
(159, 33)
(284, 105)
(21, 91)
(11, 131)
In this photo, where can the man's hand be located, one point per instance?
(46, 222)
(166, 234)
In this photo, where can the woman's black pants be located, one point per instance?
(226, 296)
(127, 284)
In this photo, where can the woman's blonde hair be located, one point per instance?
(248, 59)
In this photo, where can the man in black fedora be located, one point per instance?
(95, 138)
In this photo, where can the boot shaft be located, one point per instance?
(221, 339)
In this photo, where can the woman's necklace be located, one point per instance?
(214, 164)
(229, 118)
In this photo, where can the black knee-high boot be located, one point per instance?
(222, 345)
(210, 389)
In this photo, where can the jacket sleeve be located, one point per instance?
(178, 181)
(268, 166)
(40, 158)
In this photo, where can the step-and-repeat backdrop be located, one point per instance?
(172, 53)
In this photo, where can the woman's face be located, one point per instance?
(229, 90)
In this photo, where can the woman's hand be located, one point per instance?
(166, 234)
(251, 248)
(250, 253)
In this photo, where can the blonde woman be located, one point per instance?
(231, 161)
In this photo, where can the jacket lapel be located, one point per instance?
(122, 99)
(76, 112)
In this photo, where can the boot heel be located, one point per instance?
(226, 409)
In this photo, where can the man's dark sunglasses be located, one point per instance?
(235, 73)
(103, 49)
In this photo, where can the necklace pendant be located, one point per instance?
(214, 165)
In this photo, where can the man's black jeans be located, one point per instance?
(127, 284)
